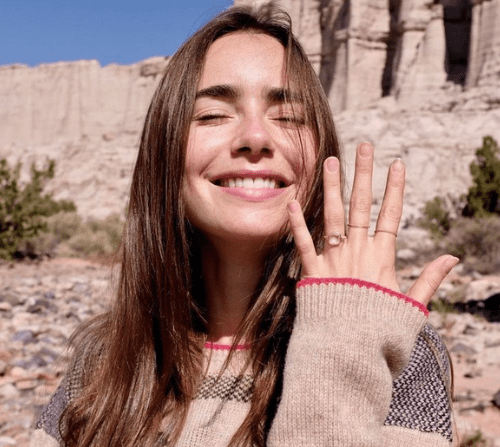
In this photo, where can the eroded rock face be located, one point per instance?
(86, 117)
(367, 49)
(74, 100)
(396, 74)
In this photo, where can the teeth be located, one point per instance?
(256, 183)
(248, 183)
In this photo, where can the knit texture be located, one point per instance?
(362, 369)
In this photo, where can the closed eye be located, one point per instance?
(211, 118)
(292, 119)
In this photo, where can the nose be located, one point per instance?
(254, 139)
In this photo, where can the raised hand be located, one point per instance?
(357, 254)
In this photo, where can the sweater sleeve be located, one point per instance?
(351, 340)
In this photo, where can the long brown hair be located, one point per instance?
(141, 362)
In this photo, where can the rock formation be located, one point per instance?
(86, 117)
(74, 100)
(364, 50)
(420, 80)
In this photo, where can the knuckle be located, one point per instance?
(333, 222)
(361, 203)
(364, 167)
(302, 246)
(391, 212)
(396, 181)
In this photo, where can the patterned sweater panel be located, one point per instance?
(421, 395)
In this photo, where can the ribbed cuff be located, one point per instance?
(324, 298)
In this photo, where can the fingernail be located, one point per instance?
(451, 262)
(332, 165)
(365, 150)
(293, 206)
(398, 165)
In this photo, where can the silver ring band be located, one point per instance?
(386, 231)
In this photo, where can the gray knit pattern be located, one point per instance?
(49, 419)
(226, 388)
(420, 397)
(67, 391)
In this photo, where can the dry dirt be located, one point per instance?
(477, 376)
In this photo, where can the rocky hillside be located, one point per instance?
(41, 305)
(94, 162)
(392, 72)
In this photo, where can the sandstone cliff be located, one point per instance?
(74, 100)
(391, 74)
(364, 50)
(86, 117)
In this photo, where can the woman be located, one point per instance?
(212, 339)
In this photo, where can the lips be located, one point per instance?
(253, 183)
(252, 186)
(251, 180)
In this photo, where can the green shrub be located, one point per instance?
(24, 207)
(483, 197)
(475, 440)
(476, 241)
(436, 218)
(94, 238)
(60, 227)
(442, 306)
(473, 236)
(67, 235)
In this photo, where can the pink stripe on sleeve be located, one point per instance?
(361, 283)
(220, 347)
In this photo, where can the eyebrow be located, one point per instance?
(281, 95)
(219, 92)
(226, 91)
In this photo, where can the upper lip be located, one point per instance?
(245, 173)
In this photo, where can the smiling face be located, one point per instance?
(249, 152)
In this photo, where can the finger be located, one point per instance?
(392, 205)
(334, 208)
(431, 278)
(361, 198)
(301, 236)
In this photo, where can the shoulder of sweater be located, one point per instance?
(40, 438)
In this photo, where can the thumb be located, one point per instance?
(431, 278)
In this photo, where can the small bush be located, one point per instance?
(441, 306)
(483, 197)
(94, 238)
(477, 242)
(475, 440)
(436, 218)
(68, 235)
(469, 226)
(23, 207)
(60, 227)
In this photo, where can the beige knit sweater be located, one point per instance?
(362, 369)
